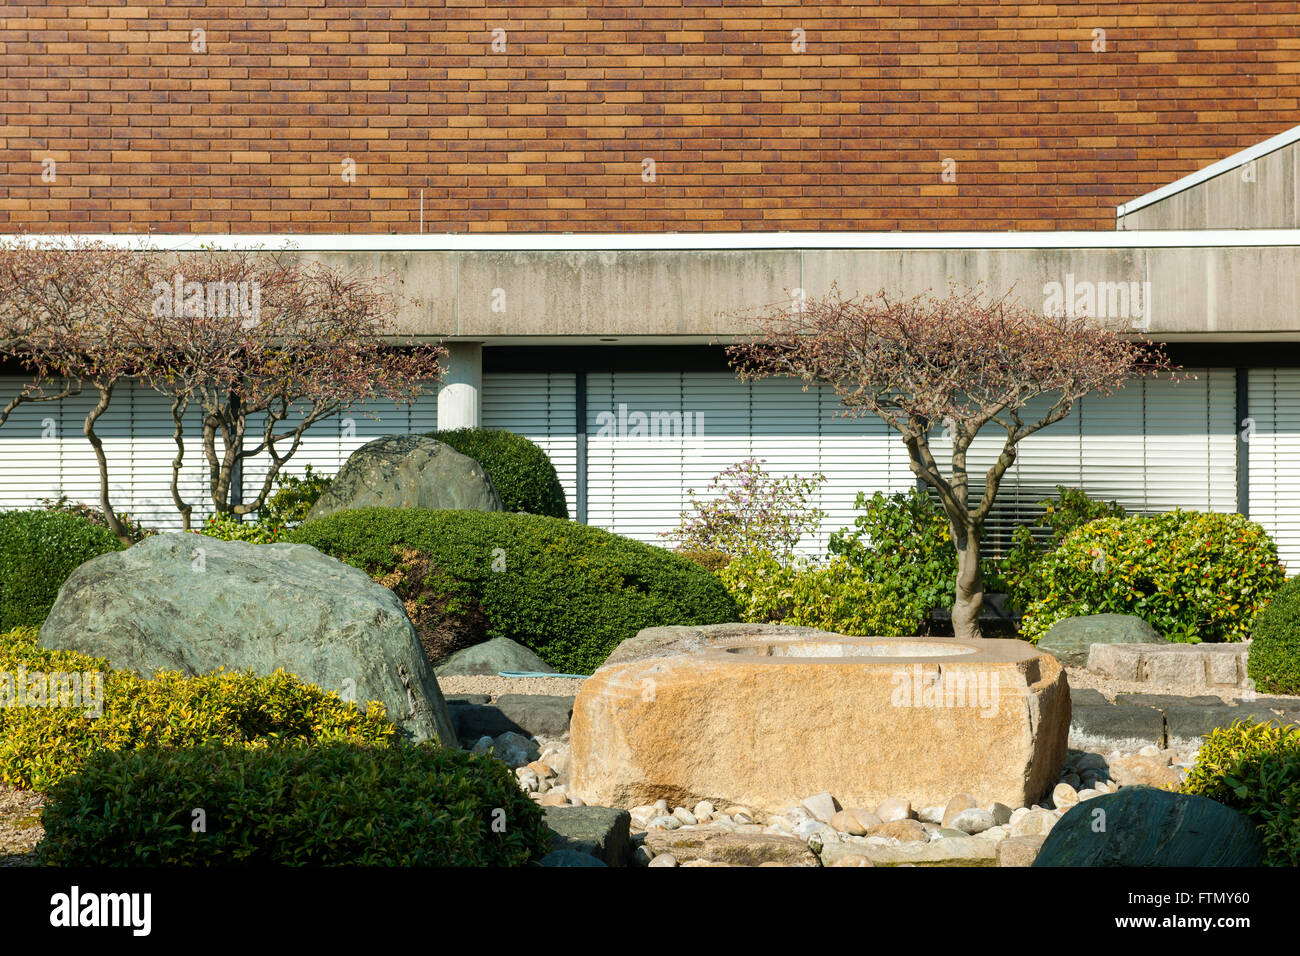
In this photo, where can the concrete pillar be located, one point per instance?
(460, 393)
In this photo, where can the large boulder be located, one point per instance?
(1069, 639)
(408, 471)
(491, 658)
(193, 604)
(770, 719)
(1142, 826)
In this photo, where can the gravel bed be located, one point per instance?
(494, 687)
(20, 825)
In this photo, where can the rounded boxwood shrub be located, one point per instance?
(569, 592)
(1254, 767)
(42, 741)
(38, 551)
(523, 474)
(1274, 659)
(1193, 576)
(330, 804)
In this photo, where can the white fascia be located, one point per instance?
(679, 241)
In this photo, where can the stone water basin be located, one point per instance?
(765, 716)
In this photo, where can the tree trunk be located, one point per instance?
(970, 584)
(88, 427)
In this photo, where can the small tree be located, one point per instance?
(238, 335)
(302, 343)
(65, 318)
(959, 362)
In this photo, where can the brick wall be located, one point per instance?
(119, 117)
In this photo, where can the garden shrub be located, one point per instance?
(294, 804)
(1018, 572)
(1274, 659)
(838, 596)
(902, 543)
(1193, 576)
(40, 745)
(750, 512)
(713, 560)
(567, 591)
(523, 474)
(38, 551)
(1254, 767)
(135, 531)
(227, 527)
(293, 498)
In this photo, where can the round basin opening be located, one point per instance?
(822, 649)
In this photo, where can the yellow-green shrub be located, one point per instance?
(39, 746)
(837, 596)
(1255, 768)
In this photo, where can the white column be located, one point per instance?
(460, 393)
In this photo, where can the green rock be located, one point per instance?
(190, 603)
(1143, 826)
(492, 657)
(1068, 640)
(408, 471)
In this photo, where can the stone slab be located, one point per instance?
(602, 832)
(740, 849)
(532, 715)
(1107, 726)
(947, 851)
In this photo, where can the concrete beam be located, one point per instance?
(1213, 286)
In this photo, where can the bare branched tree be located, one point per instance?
(960, 362)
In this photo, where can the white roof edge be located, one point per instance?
(632, 242)
(1209, 172)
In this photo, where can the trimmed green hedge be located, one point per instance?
(333, 804)
(567, 591)
(41, 744)
(523, 474)
(38, 551)
(1274, 661)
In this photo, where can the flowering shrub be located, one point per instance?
(838, 596)
(1193, 576)
(756, 513)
